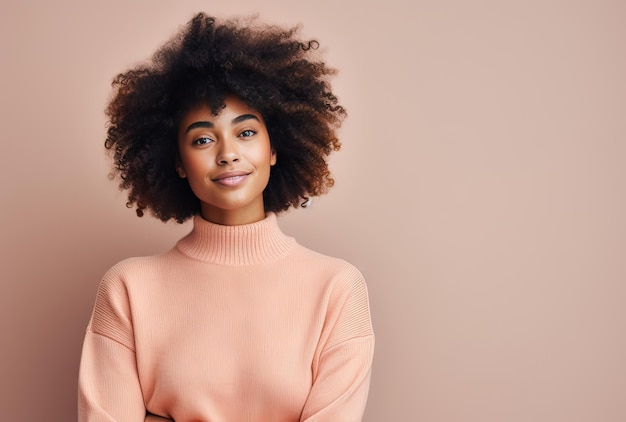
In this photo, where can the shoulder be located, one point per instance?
(137, 272)
(118, 292)
(341, 274)
(346, 301)
(128, 279)
(142, 264)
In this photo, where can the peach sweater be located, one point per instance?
(233, 324)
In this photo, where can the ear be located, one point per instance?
(273, 158)
(180, 170)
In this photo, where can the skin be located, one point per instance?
(227, 160)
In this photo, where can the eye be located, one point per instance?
(202, 141)
(247, 133)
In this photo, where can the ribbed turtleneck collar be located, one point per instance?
(236, 245)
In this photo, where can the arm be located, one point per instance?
(342, 368)
(108, 384)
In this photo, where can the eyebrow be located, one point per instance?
(206, 124)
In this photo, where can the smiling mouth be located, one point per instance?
(234, 180)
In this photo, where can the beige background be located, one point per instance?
(481, 190)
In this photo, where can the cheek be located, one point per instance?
(194, 166)
(263, 156)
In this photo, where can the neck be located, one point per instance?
(237, 217)
(246, 244)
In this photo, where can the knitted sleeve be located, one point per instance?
(108, 384)
(342, 367)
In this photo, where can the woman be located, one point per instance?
(228, 124)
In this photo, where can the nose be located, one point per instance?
(227, 153)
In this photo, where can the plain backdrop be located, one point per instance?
(480, 190)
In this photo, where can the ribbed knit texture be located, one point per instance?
(234, 324)
(236, 245)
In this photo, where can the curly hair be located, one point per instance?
(267, 67)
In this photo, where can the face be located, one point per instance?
(226, 159)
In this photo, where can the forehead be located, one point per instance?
(232, 108)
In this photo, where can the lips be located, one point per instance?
(232, 178)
